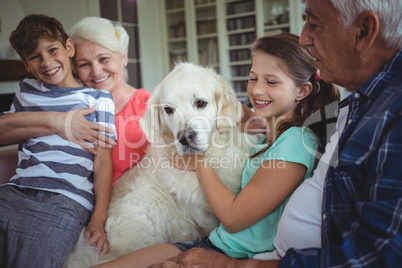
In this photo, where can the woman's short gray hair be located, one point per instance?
(388, 11)
(103, 32)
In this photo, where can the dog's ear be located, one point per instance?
(150, 122)
(229, 108)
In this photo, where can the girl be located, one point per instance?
(285, 89)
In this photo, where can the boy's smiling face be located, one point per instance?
(50, 62)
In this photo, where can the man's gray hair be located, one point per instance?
(388, 11)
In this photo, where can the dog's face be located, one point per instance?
(188, 107)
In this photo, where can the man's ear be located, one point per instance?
(368, 27)
(304, 91)
(70, 47)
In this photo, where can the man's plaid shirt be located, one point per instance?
(362, 205)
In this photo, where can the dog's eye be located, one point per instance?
(169, 110)
(201, 104)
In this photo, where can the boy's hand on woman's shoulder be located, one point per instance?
(73, 126)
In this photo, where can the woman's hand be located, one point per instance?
(96, 236)
(188, 162)
(73, 127)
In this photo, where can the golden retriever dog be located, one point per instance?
(193, 110)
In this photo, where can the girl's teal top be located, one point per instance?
(298, 145)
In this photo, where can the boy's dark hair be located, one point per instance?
(24, 39)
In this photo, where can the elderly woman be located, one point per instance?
(101, 48)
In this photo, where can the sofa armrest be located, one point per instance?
(8, 162)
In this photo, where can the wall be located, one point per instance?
(151, 43)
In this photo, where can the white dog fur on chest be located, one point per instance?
(193, 110)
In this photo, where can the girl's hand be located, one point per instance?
(96, 236)
(73, 127)
(189, 162)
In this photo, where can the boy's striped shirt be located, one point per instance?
(52, 163)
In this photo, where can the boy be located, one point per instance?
(52, 195)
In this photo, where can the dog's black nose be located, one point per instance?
(187, 136)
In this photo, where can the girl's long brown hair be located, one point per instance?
(300, 67)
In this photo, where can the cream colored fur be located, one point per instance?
(156, 203)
